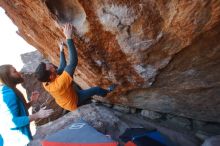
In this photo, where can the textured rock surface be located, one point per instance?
(98, 117)
(150, 114)
(31, 61)
(165, 55)
(213, 141)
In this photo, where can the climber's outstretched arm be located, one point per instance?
(73, 58)
(62, 60)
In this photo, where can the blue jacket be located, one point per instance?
(14, 120)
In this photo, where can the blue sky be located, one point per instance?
(11, 44)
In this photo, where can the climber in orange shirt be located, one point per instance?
(59, 82)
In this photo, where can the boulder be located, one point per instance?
(164, 55)
(212, 141)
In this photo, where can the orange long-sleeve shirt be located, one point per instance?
(63, 92)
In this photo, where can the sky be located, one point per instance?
(11, 44)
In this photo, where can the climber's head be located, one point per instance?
(46, 72)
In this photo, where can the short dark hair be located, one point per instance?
(42, 73)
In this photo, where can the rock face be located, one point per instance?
(165, 55)
(213, 141)
(31, 60)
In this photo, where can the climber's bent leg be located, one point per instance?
(84, 95)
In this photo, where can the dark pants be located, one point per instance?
(84, 95)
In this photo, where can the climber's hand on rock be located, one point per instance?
(61, 46)
(68, 29)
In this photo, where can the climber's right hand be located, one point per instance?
(61, 46)
(68, 29)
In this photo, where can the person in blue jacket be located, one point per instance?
(14, 117)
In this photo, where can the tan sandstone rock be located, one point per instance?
(165, 55)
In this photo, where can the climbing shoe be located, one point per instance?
(111, 87)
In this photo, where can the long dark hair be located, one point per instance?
(6, 79)
(5, 75)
